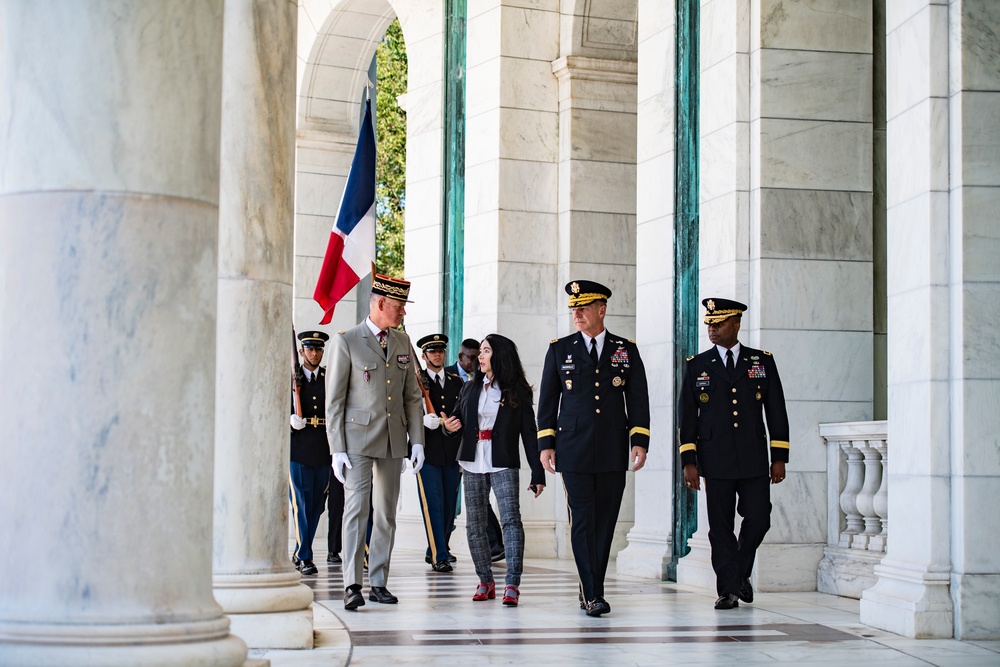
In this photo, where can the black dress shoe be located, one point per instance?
(598, 606)
(451, 558)
(443, 566)
(308, 567)
(727, 601)
(583, 603)
(497, 556)
(333, 558)
(746, 590)
(295, 562)
(382, 594)
(427, 559)
(353, 598)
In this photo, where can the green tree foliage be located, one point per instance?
(390, 168)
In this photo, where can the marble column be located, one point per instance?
(648, 551)
(253, 577)
(108, 257)
(943, 178)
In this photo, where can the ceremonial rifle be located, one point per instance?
(297, 376)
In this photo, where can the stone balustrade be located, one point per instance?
(857, 506)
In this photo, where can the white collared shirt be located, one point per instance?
(600, 342)
(489, 405)
(374, 329)
(735, 349)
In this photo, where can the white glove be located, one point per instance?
(417, 457)
(298, 423)
(431, 421)
(340, 462)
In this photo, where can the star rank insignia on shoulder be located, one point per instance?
(767, 353)
(341, 332)
(629, 340)
(554, 340)
(689, 358)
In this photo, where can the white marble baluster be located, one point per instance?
(866, 497)
(880, 503)
(109, 184)
(849, 496)
(253, 578)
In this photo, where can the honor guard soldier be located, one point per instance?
(727, 391)
(309, 470)
(437, 481)
(374, 412)
(593, 417)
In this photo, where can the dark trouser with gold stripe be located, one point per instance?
(733, 558)
(307, 492)
(437, 490)
(594, 500)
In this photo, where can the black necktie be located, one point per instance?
(730, 364)
(593, 350)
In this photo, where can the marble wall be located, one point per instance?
(786, 183)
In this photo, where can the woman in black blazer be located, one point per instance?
(496, 410)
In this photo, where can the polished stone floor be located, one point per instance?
(652, 623)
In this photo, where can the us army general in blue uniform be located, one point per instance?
(593, 416)
(727, 391)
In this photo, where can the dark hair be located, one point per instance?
(470, 344)
(508, 373)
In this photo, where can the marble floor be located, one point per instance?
(652, 623)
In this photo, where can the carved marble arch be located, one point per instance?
(607, 29)
(336, 46)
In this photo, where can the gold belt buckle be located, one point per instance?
(315, 421)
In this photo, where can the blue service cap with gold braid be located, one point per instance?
(433, 342)
(719, 310)
(582, 292)
(313, 339)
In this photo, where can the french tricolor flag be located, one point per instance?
(351, 251)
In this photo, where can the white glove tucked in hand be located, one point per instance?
(431, 421)
(417, 457)
(340, 462)
(298, 423)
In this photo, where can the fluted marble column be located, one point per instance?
(254, 580)
(109, 154)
